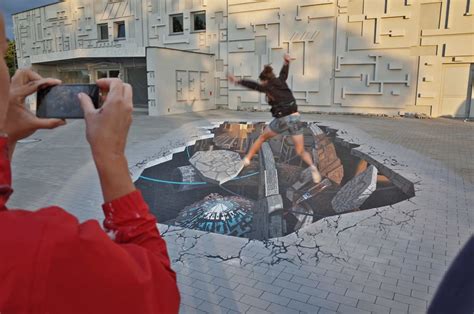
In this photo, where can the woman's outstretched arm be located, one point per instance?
(247, 83)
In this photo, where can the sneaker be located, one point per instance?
(315, 174)
(246, 162)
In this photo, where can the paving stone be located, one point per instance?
(209, 297)
(391, 303)
(411, 285)
(191, 301)
(255, 310)
(245, 280)
(278, 309)
(286, 284)
(229, 293)
(285, 276)
(421, 295)
(350, 310)
(204, 286)
(267, 287)
(274, 298)
(305, 281)
(342, 299)
(303, 307)
(315, 292)
(326, 311)
(294, 295)
(372, 307)
(409, 300)
(249, 290)
(234, 305)
(256, 302)
(225, 283)
(185, 309)
(360, 295)
(185, 289)
(324, 303)
(348, 284)
(332, 288)
(212, 308)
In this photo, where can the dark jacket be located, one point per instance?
(278, 93)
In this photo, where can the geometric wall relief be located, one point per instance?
(191, 85)
(371, 76)
(303, 78)
(354, 56)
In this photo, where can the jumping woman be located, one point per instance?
(284, 110)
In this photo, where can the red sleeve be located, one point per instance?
(129, 219)
(130, 223)
(5, 174)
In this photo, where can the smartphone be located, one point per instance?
(61, 101)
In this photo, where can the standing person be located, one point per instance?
(49, 262)
(284, 110)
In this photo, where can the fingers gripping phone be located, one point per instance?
(61, 101)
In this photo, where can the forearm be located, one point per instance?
(114, 176)
(284, 70)
(251, 85)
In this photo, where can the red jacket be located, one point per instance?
(50, 263)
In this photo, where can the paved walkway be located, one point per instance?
(384, 260)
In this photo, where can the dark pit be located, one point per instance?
(275, 195)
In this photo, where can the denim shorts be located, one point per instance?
(291, 123)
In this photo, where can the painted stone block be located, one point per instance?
(355, 192)
(218, 166)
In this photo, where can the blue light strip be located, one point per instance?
(191, 183)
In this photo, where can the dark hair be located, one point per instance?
(267, 73)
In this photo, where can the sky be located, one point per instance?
(8, 7)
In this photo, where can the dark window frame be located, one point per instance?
(117, 31)
(193, 19)
(172, 24)
(99, 30)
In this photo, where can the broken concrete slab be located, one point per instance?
(270, 171)
(217, 166)
(355, 192)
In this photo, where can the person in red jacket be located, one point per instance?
(49, 262)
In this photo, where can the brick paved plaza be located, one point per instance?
(383, 260)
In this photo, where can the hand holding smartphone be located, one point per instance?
(61, 101)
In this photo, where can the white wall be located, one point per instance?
(179, 81)
(362, 56)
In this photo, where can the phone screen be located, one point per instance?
(61, 101)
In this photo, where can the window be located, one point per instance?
(199, 21)
(75, 77)
(119, 30)
(103, 31)
(176, 23)
(107, 74)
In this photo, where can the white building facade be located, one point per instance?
(351, 56)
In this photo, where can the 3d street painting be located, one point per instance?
(205, 187)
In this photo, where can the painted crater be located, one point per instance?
(275, 195)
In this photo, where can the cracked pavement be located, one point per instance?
(383, 260)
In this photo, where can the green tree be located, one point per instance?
(10, 57)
